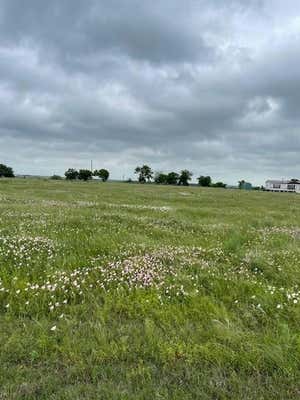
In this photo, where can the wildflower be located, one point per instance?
(53, 328)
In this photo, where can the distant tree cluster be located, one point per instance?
(204, 181)
(219, 185)
(6, 172)
(71, 174)
(145, 174)
(102, 174)
(86, 174)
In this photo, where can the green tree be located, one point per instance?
(160, 178)
(56, 177)
(184, 177)
(71, 174)
(6, 172)
(204, 181)
(219, 185)
(145, 173)
(102, 174)
(172, 178)
(85, 174)
(141, 177)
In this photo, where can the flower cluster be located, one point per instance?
(23, 250)
(292, 231)
(157, 270)
(140, 207)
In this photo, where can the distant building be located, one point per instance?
(245, 186)
(292, 185)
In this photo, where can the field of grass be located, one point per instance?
(124, 291)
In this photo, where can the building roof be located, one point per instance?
(283, 181)
(276, 181)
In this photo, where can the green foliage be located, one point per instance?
(204, 181)
(145, 173)
(172, 178)
(56, 177)
(102, 174)
(6, 172)
(71, 174)
(184, 177)
(218, 185)
(160, 178)
(85, 174)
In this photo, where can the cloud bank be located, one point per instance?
(212, 86)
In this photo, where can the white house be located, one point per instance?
(292, 185)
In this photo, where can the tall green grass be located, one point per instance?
(219, 320)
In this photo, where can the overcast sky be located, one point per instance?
(208, 85)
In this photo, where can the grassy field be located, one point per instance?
(119, 291)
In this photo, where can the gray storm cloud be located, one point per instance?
(211, 86)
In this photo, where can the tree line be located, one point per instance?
(146, 174)
(86, 174)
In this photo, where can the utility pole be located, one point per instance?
(91, 166)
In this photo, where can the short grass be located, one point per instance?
(124, 291)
